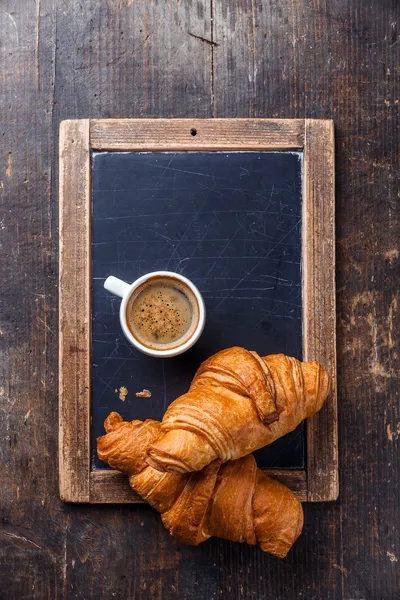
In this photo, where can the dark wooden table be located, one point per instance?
(203, 58)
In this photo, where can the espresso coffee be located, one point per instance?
(162, 313)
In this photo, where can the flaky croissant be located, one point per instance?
(235, 500)
(238, 402)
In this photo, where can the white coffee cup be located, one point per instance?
(125, 290)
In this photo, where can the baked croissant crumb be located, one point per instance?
(144, 394)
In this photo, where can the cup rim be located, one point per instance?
(178, 349)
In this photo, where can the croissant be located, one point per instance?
(235, 500)
(238, 402)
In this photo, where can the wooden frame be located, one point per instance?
(319, 482)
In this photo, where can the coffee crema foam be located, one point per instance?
(162, 313)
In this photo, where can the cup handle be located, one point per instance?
(116, 286)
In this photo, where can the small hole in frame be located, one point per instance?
(193, 131)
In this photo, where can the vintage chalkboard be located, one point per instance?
(231, 222)
(244, 208)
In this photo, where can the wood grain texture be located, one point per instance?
(196, 134)
(111, 487)
(284, 59)
(108, 487)
(32, 523)
(319, 302)
(74, 311)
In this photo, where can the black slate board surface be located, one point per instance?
(231, 222)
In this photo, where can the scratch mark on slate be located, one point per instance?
(259, 262)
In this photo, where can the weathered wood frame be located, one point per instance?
(78, 138)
